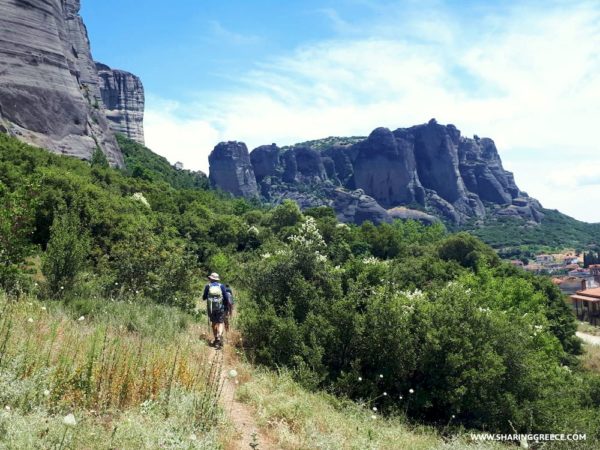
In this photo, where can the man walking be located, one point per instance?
(215, 296)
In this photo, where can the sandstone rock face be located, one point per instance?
(231, 170)
(385, 168)
(49, 94)
(122, 95)
(403, 213)
(414, 173)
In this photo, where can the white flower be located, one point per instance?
(380, 375)
(266, 255)
(375, 408)
(44, 308)
(46, 392)
(139, 197)
(233, 373)
(453, 416)
(7, 408)
(30, 320)
(81, 319)
(373, 417)
(385, 394)
(69, 420)
(62, 288)
(359, 378)
(401, 397)
(411, 391)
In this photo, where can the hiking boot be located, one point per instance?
(218, 344)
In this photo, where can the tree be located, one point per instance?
(99, 159)
(16, 227)
(66, 253)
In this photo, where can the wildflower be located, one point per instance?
(30, 320)
(139, 197)
(375, 408)
(411, 391)
(233, 373)
(385, 394)
(373, 417)
(69, 420)
(116, 284)
(453, 416)
(401, 397)
(359, 378)
(46, 392)
(381, 375)
(7, 408)
(81, 319)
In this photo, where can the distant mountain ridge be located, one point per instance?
(422, 172)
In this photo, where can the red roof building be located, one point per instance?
(587, 304)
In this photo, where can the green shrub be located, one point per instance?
(66, 254)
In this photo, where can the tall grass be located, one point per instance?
(297, 419)
(101, 366)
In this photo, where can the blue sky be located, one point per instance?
(525, 73)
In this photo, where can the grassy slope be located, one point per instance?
(147, 389)
(297, 419)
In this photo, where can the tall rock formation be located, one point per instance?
(231, 170)
(49, 93)
(421, 172)
(122, 94)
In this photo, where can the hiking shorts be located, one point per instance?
(217, 316)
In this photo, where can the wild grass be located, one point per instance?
(297, 419)
(591, 357)
(127, 372)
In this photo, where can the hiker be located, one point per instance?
(228, 306)
(216, 299)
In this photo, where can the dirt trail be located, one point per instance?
(240, 414)
(589, 338)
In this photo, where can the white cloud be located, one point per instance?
(528, 78)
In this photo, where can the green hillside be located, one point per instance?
(408, 321)
(556, 230)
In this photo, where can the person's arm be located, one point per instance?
(205, 294)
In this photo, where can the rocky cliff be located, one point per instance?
(231, 170)
(49, 93)
(422, 172)
(122, 95)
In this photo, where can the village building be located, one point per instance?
(587, 303)
(579, 272)
(544, 259)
